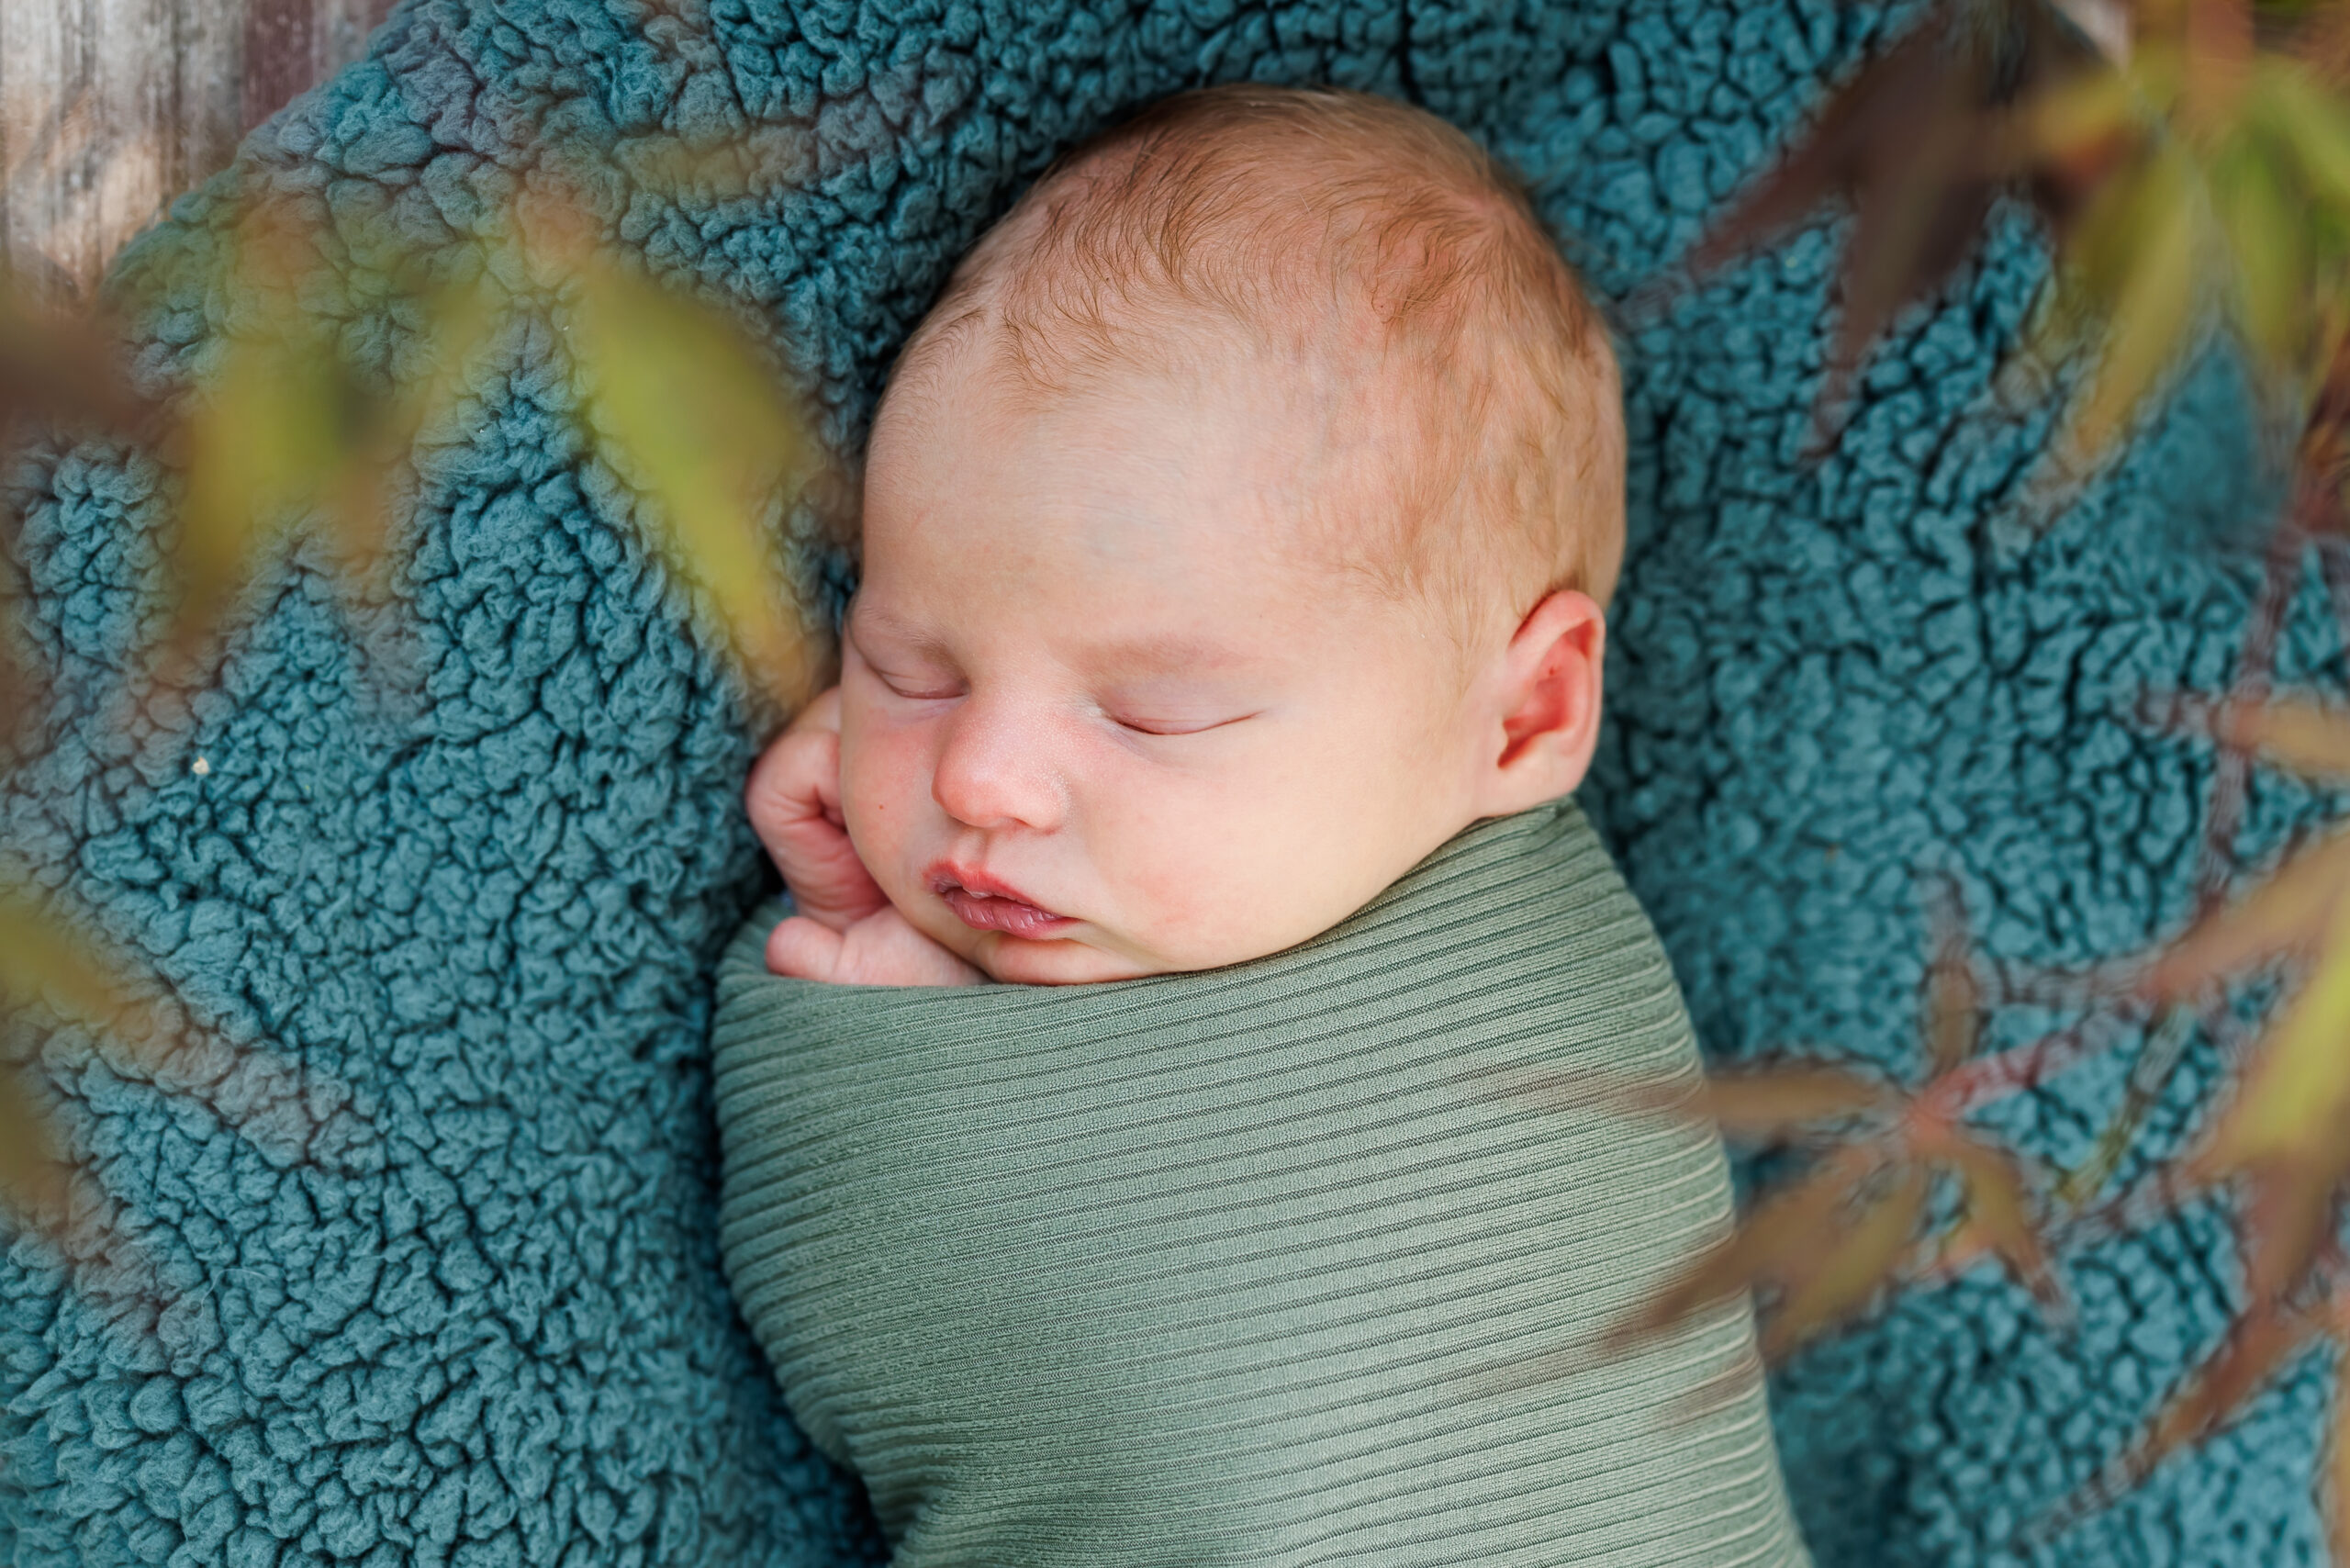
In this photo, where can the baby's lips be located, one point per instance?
(990, 904)
(986, 911)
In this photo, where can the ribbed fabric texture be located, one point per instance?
(1278, 1264)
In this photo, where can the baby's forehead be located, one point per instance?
(1362, 277)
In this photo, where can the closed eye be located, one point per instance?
(919, 690)
(1156, 726)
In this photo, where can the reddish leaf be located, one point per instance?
(1915, 144)
(62, 368)
(1772, 1102)
(1763, 1101)
(1998, 1218)
(1953, 1006)
(1774, 1238)
(2288, 1210)
(2142, 241)
(1834, 1279)
(2255, 1349)
(2309, 738)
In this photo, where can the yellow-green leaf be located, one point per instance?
(2287, 912)
(2080, 115)
(691, 414)
(45, 963)
(2295, 1094)
(2145, 317)
(263, 439)
(435, 377)
(2265, 234)
(2313, 122)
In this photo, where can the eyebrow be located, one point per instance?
(1135, 656)
(863, 617)
(1164, 656)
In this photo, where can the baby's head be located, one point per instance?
(1236, 532)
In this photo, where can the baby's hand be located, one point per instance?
(847, 932)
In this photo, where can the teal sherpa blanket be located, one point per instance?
(1251, 1267)
(444, 1261)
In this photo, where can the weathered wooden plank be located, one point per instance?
(110, 108)
(290, 44)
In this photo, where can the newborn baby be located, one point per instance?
(1236, 533)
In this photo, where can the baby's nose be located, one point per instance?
(995, 772)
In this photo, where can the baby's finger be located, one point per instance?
(791, 787)
(793, 798)
(802, 949)
(884, 949)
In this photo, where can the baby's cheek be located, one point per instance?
(1197, 884)
(885, 782)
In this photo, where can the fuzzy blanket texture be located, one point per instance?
(438, 1235)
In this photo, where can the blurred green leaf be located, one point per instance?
(2268, 243)
(2288, 101)
(2294, 1097)
(46, 962)
(691, 413)
(266, 439)
(287, 431)
(2143, 272)
(34, 1179)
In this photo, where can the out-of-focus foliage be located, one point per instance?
(1822, 1248)
(48, 968)
(2224, 179)
(685, 405)
(287, 433)
(2190, 162)
(1917, 145)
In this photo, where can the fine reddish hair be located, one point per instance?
(1370, 243)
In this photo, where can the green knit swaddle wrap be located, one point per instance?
(1251, 1267)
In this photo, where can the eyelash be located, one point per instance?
(1129, 725)
(1133, 728)
(900, 692)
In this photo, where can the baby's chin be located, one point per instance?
(1018, 960)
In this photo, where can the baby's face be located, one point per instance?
(1104, 712)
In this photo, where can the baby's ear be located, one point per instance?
(1549, 688)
